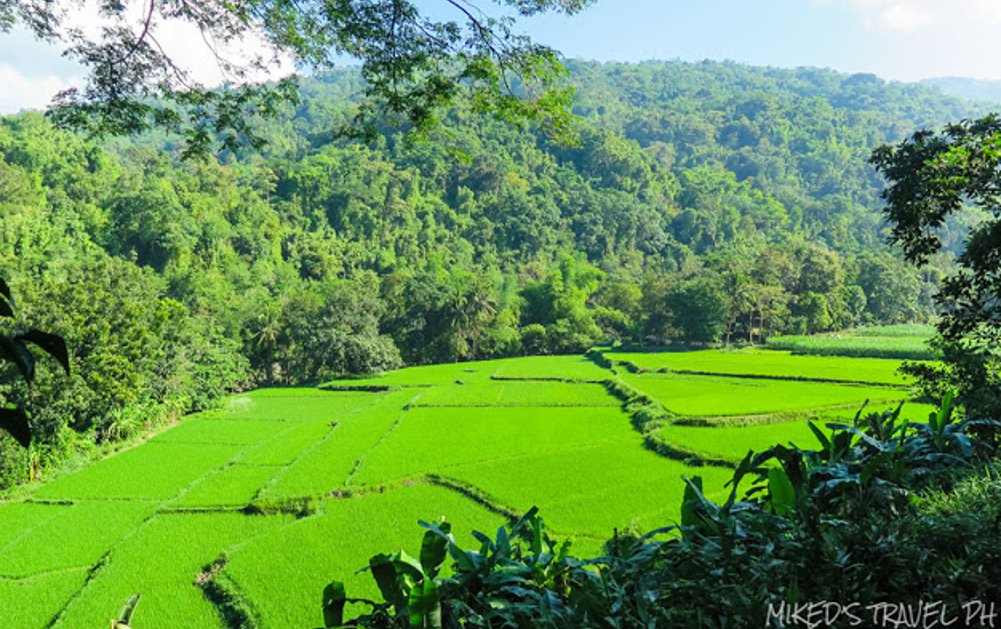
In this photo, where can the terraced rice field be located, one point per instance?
(761, 363)
(284, 490)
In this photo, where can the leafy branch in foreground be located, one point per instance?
(865, 518)
(414, 66)
(14, 349)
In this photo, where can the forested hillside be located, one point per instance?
(970, 89)
(703, 203)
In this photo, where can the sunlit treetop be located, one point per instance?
(413, 65)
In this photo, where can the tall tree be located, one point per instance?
(700, 308)
(932, 176)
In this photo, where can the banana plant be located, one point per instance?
(519, 577)
(945, 442)
(408, 586)
(14, 348)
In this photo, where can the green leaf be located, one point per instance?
(944, 413)
(564, 550)
(434, 549)
(537, 538)
(781, 491)
(407, 565)
(502, 546)
(15, 422)
(693, 491)
(14, 350)
(746, 466)
(52, 344)
(7, 303)
(792, 593)
(486, 544)
(383, 570)
(873, 465)
(464, 561)
(425, 605)
(125, 616)
(334, 600)
(825, 443)
(524, 520)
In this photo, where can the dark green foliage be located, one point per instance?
(699, 309)
(326, 330)
(440, 316)
(968, 366)
(559, 305)
(509, 580)
(15, 350)
(932, 178)
(131, 345)
(892, 294)
(840, 523)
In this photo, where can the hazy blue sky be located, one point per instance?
(896, 39)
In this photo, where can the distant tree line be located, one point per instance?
(701, 203)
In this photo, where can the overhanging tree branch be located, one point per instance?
(413, 65)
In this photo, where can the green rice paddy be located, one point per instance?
(280, 491)
(758, 362)
(700, 396)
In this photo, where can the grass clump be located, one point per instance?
(236, 611)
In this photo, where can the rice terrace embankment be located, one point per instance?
(258, 505)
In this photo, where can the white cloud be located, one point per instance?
(19, 92)
(915, 39)
(989, 10)
(907, 16)
(896, 16)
